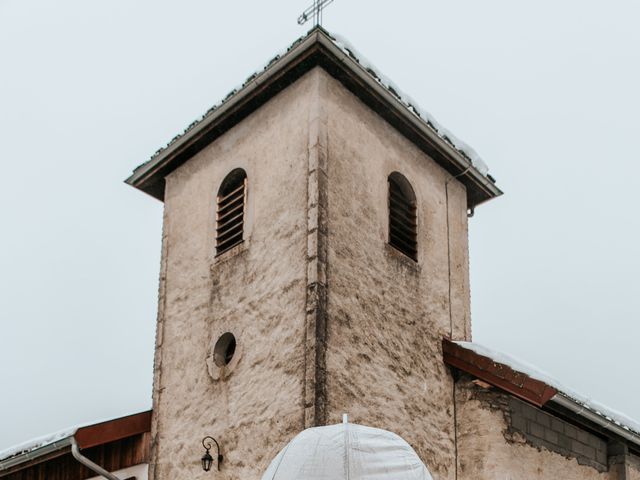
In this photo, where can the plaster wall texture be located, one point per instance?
(328, 317)
(633, 468)
(488, 450)
(625, 467)
(386, 313)
(256, 291)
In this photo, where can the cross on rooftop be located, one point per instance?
(314, 11)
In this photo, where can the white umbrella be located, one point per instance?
(347, 452)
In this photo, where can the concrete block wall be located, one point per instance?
(501, 437)
(542, 429)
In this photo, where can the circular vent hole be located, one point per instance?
(224, 349)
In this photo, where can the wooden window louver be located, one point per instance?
(230, 211)
(403, 224)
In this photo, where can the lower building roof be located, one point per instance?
(86, 436)
(536, 387)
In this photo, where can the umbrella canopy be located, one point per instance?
(347, 452)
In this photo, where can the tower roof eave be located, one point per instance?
(318, 48)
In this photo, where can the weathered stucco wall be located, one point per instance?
(488, 449)
(256, 291)
(387, 314)
(624, 467)
(633, 468)
(328, 317)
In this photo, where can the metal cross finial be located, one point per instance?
(314, 12)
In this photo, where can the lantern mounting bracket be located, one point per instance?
(207, 459)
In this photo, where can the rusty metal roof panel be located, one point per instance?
(535, 387)
(499, 375)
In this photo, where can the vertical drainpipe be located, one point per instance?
(75, 451)
(453, 393)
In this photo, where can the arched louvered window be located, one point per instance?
(403, 222)
(230, 211)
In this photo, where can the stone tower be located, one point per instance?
(285, 299)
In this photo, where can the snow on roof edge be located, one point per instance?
(463, 148)
(50, 438)
(412, 105)
(614, 416)
(256, 73)
(36, 443)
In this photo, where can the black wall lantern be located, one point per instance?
(207, 459)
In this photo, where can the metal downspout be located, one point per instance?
(75, 451)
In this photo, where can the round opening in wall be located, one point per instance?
(224, 349)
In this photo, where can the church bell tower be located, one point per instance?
(314, 254)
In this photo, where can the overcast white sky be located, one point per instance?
(546, 91)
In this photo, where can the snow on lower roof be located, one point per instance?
(618, 418)
(49, 439)
(39, 442)
(464, 149)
